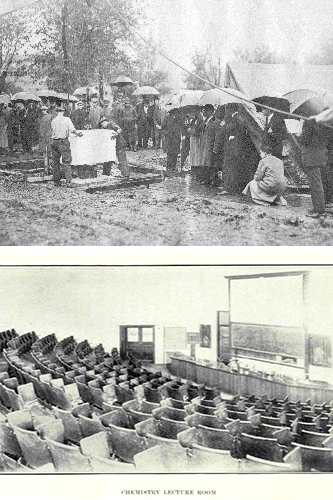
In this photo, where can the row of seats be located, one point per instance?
(6, 336)
(147, 415)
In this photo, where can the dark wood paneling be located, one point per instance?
(245, 385)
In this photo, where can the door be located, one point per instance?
(139, 340)
(224, 350)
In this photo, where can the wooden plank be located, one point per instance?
(124, 184)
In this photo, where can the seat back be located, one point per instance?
(8, 441)
(219, 439)
(170, 428)
(68, 458)
(27, 393)
(16, 402)
(21, 418)
(125, 443)
(95, 445)
(52, 430)
(90, 426)
(315, 439)
(34, 449)
(72, 429)
(314, 458)
(83, 389)
(262, 447)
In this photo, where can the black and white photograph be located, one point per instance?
(96, 377)
(166, 123)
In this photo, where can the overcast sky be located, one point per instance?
(293, 27)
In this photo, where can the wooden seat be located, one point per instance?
(315, 439)
(170, 428)
(27, 393)
(206, 420)
(262, 447)
(34, 449)
(165, 459)
(170, 413)
(307, 458)
(90, 426)
(99, 464)
(8, 441)
(142, 406)
(151, 395)
(219, 439)
(95, 445)
(68, 458)
(175, 403)
(125, 442)
(22, 419)
(16, 403)
(71, 425)
(83, 389)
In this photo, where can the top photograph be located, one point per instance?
(166, 123)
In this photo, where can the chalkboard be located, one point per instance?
(277, 339)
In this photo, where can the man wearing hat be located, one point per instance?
(95, 113)
(107, 110)
(45, 132)
(120, 148)
(62, 126)
(128, 119)
(79, 116)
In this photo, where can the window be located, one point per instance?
(132, 334)
(147, 334)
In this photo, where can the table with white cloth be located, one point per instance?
(93, 148)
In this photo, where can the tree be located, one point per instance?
(84, 41)
(261, 54)
(146, 70)
(324, 54)
(208, 66)
(16, 32)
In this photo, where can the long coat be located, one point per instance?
(314, 142)
(275, 132)
(207, 143)
(172, 129)
(45, 132)
(240, 157)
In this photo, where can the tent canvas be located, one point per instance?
(255, 80)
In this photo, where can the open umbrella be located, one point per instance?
(191, 98)
(146, 91)
(218, 97)
(25, 96)
(88, 90)
(174, 101)
(122, 81)
(63, 96)
(309, 102)
(47, 93)
(4, 99)
(274, 100)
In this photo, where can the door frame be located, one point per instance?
(123, 337)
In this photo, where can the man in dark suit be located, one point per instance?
(143, 123)
(207, 145)
(275, 132)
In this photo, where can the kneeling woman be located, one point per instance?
(269, 183)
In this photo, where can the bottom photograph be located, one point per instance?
(166, 369)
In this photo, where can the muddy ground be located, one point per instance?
(176, 212)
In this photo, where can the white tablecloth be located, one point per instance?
(94, 147)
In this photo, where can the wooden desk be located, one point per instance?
(246, 385)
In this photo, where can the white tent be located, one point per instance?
(256, 80)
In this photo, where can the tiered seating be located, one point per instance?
(5, 337)
(81, 409)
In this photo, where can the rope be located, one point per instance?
(156, 49)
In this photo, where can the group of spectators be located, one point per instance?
(222, 153)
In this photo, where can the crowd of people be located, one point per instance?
(216, 141)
